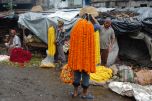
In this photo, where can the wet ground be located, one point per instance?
(37, 84)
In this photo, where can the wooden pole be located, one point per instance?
(24, 43)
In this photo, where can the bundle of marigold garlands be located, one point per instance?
(20, 56)
(82, 47)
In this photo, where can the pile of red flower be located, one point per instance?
(19, 55)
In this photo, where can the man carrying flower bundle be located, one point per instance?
(81, 57)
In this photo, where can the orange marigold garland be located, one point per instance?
(82, 47)
(67, 75)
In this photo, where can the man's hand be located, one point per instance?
(95, 20)
(93, 17)
(7, 44)
(110, 47)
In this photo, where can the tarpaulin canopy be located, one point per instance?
(39, 23)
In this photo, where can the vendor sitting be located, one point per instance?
(14, 41)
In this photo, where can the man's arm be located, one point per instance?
(17, 42)
(112, 38)
(95, 20)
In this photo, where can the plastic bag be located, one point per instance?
(140, 93)
(144, 77)
(48, 61)
(126, 74)
(113, 54)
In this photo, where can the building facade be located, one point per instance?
(121, 3)
(17, 1)
(17, 4)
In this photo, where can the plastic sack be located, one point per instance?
(126, 74)
(144, 77)
(124, 89)
(113, 54)
(48, 61)
(140, 93)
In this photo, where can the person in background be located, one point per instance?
(60, 38)
(107, 38)
(14, 41)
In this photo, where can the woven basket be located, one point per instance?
(90, 10)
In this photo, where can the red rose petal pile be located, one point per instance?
(19, 55)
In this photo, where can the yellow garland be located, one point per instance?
(51, 41)
(97, 47)
(102, 74)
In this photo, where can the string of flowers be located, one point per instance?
(97, 48)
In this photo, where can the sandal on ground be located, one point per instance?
(88, 97)
(72, 94)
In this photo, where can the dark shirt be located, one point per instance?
(97, 27)
(60, 36)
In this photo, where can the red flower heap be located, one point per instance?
(19, 55)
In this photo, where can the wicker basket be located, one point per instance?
(90, 10)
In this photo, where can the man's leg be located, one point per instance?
(56, 55)
(76, 83)
(85, 86)
(104, 56)
(61, 54)
(85, 82)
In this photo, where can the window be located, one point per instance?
(143, 5)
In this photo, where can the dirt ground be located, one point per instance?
(37, 84)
